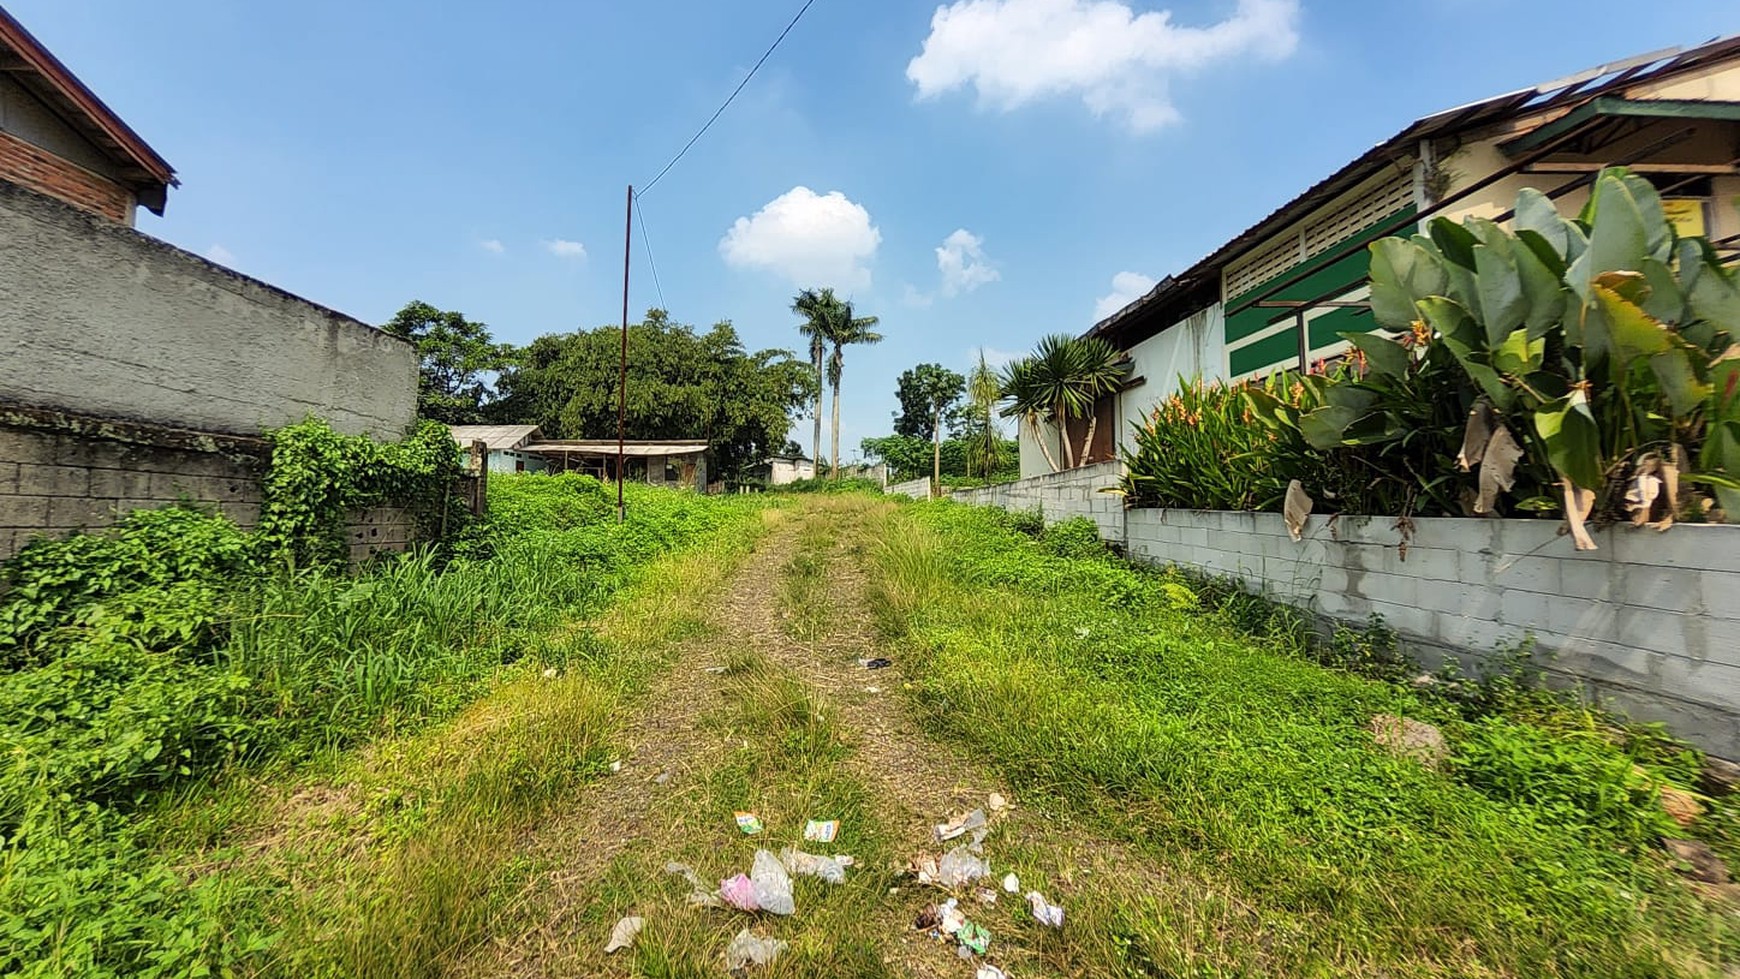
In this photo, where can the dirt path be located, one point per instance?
(773, 704)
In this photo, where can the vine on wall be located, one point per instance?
(317, 477)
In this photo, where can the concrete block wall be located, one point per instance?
(918, 489)
(99, 319)
(83, 475)
(1649, 622)
(1061, 495)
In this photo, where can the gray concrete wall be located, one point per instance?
(102, 320)
(918, 489)
(1061, 495)
(1649, 622)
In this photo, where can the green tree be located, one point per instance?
(844, 328)
(817, 307)
(681, 384)
(1064, 378)
(455, 361)
(927, 393)
(985, 442)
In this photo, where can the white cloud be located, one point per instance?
(220, 255)
(994, 358)
(812, 239)
(1127, 287)
(1117, 61)
(563, 248)
(963, 264)
(492, 245)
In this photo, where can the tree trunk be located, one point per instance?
(1087, 442)
(816, 442)
(835, 466)
(1063, 438)
(1039, 440)
(936, 456)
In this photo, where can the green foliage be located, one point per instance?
(681, 385)
(928, 396)
(989, 454)
(318, 477)
(455, 359)
(1202, 449)
(909, 458)
(1153, 715)
(159, 655)
(1077, 538)
(826, 484)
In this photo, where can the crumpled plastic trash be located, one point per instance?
(739, 892)
(975, 937)
(990, 972)
(830, 869)
(821, 830)
(1012, 883)
(772, 884)
(700, 895)
(1044, 911)
(959, 866)
(748, 822)
(747, 949)
(972, 821)
(950, 919)
(624, 934)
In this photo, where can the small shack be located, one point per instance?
(660, 462)
(780, 470)
(506, 445)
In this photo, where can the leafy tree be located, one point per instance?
(681, 384)
(817, 307)
(927, 393)
(1064, 378)
(455, 360)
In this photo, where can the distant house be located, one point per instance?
(782, 469)
(505, 444)
(660, 462)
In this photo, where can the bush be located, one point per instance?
(827, 484)
(1077, 537)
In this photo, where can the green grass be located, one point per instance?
(154, 672)
(1242, 768)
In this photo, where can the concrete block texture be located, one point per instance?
(100, 319)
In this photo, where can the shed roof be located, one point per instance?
(1176, 296)
(29, 63)
(495, 436)
(607, 447)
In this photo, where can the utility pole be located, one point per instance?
(622, 394)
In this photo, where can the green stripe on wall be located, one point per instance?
(1282, 349)
(1351, 269)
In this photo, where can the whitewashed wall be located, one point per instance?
(918, 489)
(1650, 621)
(1194, 347)
(1061, 495)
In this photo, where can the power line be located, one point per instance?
(640, 212)
(692, 140)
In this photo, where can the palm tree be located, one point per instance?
(1064, 378)
(844, 329)
(817, 307)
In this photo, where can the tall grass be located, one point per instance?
(1110, 693)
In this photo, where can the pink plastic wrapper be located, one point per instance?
(739, 892)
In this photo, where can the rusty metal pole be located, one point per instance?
(622, 393)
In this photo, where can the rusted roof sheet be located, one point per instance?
(33, 66)
(607, 447)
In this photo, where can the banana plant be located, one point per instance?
(1605, 343)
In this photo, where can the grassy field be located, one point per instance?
(1242, 771)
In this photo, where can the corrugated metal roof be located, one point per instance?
(495, 436)
(607, 447)
(1560, 93)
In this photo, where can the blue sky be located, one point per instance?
(969, 177)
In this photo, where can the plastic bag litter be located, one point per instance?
(700, 895)
(772, 884)
(821, 830)
(990, 972)
(624, 934)
(801, 864)
(739, 892)
(1044, 911)
(950, 919)
(972, 821)
(959, 866)
(1012, 883)
(974, 937)
(748, 822)
(746, 950)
